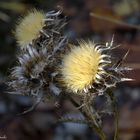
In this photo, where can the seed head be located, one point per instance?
(29, 27)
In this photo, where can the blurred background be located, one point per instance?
(118, 17)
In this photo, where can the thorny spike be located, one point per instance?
(103, 49)
(110, 85)
(105, 56)
(34, 51)
(102, 72)
(44, 33)
(104, 61)
(21, 60)
(100, 68)
(109, 45)
(60, 45)
(126, 54)
(34, 105)
(98, 47)
(97, 81)
(127, 79)
(48, 19)
(121, 69)
(125, 68)
(53, 13)
(98, 76)
(115, 47)
(26, 57)
(85, 90)
(119, 63)
(30, 51)
(112, 40)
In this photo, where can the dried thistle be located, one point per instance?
(47, 66)
(29, 27)
(27, 76)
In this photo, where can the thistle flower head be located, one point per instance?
(89, 67)
(29, 27)
(80, 66)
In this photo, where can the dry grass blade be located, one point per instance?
(115, 21)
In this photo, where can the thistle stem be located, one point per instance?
(88, 116)
(116, 114)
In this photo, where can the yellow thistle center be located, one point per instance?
(80, 66)
(29, 27)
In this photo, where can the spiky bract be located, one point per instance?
(27, 76)
(29, 27)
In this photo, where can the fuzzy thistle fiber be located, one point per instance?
(80, 66)
(28, 28)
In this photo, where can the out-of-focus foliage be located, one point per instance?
(126, 7)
